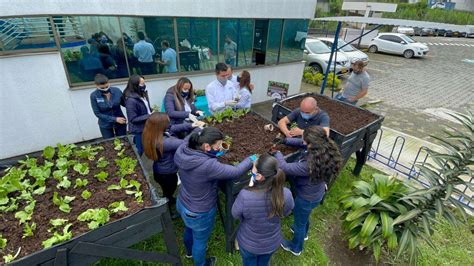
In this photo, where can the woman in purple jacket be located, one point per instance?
(138, 108)
(313, 170)
(179, 102)
(260, 208)
(199, 171)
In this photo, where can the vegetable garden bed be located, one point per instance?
(61, 200)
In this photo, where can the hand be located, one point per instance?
(199, 124)
(192, 117)
(253, 158)
(200, 113)
(287, 134)
(273, 150)
(295, 132)
(121, 120)
(251, 87)
(230, 103)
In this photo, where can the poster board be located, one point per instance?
(277, 90)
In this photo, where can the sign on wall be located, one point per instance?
(277, 90)
(441, 4)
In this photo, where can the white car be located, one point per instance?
(406, 30)
(316, 55)
(396, 43)
(349, 51)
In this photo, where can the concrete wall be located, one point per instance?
(38, 109)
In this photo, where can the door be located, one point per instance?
(398, 46)
(260, 41)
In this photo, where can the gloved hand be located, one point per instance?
(230, 103)
(253, 158)
(192, 117)
(279, 140)
(200, 113)
(199, 124)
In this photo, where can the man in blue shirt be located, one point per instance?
(307, 115)
(144, 52)
(168, 58)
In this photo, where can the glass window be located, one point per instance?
(317, 47)
(26, 33)
(274, 40)
(158, 36)
(347, 48)
(407, 39)
(294, 37)
(91, 45)
(197, 40)
(236, 37)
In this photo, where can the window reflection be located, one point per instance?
(26, 33)
(294, 38)
(236, 41)
(274, 39)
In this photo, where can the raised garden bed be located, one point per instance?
(352, 128)
(74, 205)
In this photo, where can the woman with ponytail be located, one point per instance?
(260, 208)
(314, 170)
(199, 171)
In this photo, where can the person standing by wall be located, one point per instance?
(168, 58)
(230, 51)
(144, 52)
(106, 102)
(357, 85)
(220, 93)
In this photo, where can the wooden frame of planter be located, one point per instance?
(359, 141)
(113, 239)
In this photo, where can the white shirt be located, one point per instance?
(146, 104)
(187, 108)
(217, 95)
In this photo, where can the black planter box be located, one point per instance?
(113, 239)
(359, 141)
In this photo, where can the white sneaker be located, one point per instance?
(292, 231)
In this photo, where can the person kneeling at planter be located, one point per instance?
(308, 114)
(159, 145)
(179, 102)
(315, 168)
(199, 171)
(260, 208)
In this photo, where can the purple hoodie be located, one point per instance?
(199, 173)
(257, 233)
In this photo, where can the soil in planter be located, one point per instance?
(249, 137)
(344, 119)
(100, 198)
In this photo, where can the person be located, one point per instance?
(159, 145)
(106, 102)
(232, 78)
(90, 65)
(108, 62)
(168, 58)
(260, 208)
(220, 93)
(314, 169)
(230, 51)
(357, 84)
(308, 114)
(244, 94)
(119, 57)
(138, 108)
(199, 171)
(144, 52)
(179, 102)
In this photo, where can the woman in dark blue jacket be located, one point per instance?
(105, 102)
(179, 101)
(199, 171)
(138, 108)
(313, 170)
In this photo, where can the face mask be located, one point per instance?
(306, 116)
(185, 94)
(216, 153)
(238, 79)
(142, 88)
(222, 81)
(104, 90)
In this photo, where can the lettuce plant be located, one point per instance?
(95, 217)
(81, 183)
(81, 168)
(86, 194)
(62, 202)
(102, 162)
(116, 207)
(58, 238)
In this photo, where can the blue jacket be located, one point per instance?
(166, 163)
(305, 188)
(176, 116)
(107, 111)
(137, 113)
(199, 173)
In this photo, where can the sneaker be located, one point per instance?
(293, 231)
(286, 246)
(211, 261)
(188, 255)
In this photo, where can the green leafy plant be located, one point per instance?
(10, 183)
(118, 145)
(41, 173)
(293, 125)
(59, 174)
(219, 117)
(209, 119)
(29, 230)
(65, 151)
(58, 238)
(57, 222)
(49, 152)
(64, 183)
(102, 176)
(102, 162)
(27, 213)
(137, 193)
(95, 217)
(62, 202)
(114, 187)
(9, 257)
(3, 242)
(39, 191)
(81, 168)
(116, 207)
(28, 163)
(81, 183)
(200, 93)
(126, 166)
(86, 194)
(87, 152)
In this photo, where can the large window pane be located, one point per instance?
(155, 30)
(274, 40)
(294, 37)
(236, 37)
(26, 33)
(91, 45)
(197, 39)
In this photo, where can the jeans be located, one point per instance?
(300, 226)
(198, 229)
(250, 259)
(344, 99)
(138, 143)
(116, 131)
(230, 61)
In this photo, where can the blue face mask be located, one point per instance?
(306, 116)
(216, 153)
(185, 94)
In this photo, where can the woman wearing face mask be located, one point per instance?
(199, 171)
(316, 167)
(179, 102)
(105, 102)
(245, 91)
(260, 208)
(138, 108)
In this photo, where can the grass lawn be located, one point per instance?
(326, 245)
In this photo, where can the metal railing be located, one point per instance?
(411, 170)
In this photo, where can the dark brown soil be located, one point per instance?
(344, 119)
(46, 210)
(249, 137)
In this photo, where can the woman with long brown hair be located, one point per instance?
(260, 208)
(179, 102)
(245, 91)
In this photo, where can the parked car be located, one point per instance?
(405, 30)
(440, 32)
(316, 55)
(424, 32)
(348, 50)
(396, 43)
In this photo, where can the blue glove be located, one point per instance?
(253, 158)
